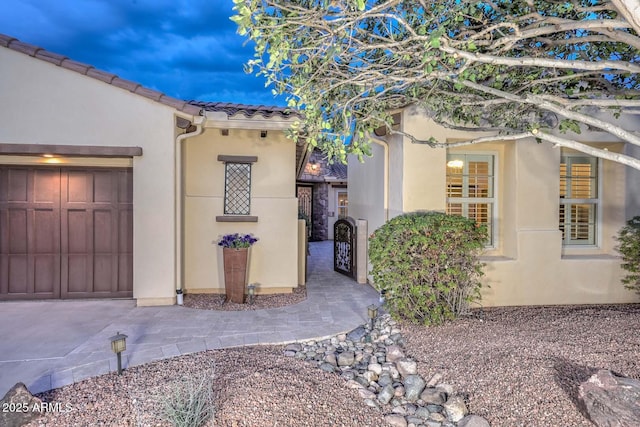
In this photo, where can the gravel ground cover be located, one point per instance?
(523, 366)
(516, 367)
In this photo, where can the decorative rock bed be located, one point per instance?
(372, 360)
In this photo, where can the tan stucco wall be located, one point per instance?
(273, 263)
(366, 187)
(539, 270)
(45, 104)
(528, 264)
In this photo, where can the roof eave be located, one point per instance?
(220, 120)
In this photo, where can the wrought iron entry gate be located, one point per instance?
(305, 205)
(344, 247)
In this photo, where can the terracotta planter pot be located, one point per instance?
(235, 273)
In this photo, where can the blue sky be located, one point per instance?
(187, 49)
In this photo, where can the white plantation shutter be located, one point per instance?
(579, 199)
(470, 188)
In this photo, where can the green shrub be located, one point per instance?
(629, 238)
(189, 402)
(426, 265)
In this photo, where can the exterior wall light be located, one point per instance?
(118, 345)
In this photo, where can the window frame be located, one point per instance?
(567, 242)
(344, 206)
(228, 214)
(493, 201)
(235, 200)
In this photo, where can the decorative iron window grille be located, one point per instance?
(237, 188)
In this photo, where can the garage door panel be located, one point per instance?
(78, 187)
(65, 232)
(46, 226)
(17, 185)
(18, 274)
(47, 274)
(103, 232)
(125, 272)
(103, 273)
(103, 187)
(17, 235)
(125, 187)
(77, 273)
(125, 229)
(75, 232)
(45, 184)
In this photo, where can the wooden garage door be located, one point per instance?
(65, 233)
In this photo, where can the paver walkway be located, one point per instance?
(49, 344)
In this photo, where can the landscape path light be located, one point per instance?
(118, 345)
(372, 311)
(252, 292)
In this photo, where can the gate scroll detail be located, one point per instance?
(344, 247)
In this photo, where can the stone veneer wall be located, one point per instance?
(320, 209)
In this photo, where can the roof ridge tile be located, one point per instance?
(78, 67)
(54, 58)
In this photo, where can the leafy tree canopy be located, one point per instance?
(524, 68)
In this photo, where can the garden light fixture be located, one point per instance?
(118, 345)
(252, 292)
(372, 311)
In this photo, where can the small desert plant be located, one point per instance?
(629, 247)
(426, 264)
(189, 403)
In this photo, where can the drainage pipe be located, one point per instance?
(198, 121)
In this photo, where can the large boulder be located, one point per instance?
(19, 406)
(610, 400)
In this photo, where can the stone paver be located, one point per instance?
(49, 344)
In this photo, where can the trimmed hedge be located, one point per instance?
(426, 265)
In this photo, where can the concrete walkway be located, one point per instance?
(49, 344)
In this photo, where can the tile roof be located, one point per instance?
(338, 170)
(194, 108)
(246, 110)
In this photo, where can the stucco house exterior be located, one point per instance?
(321, 189)
(552, 213)
(109, 189)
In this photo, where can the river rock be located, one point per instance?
(386, 394)
(406, 367)
(357, 334)
(455, 408)
(395, 420)
(473, 421)
(347, 358)
(413, 386)
(394, 352)
(327, 367)
(433, 396)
